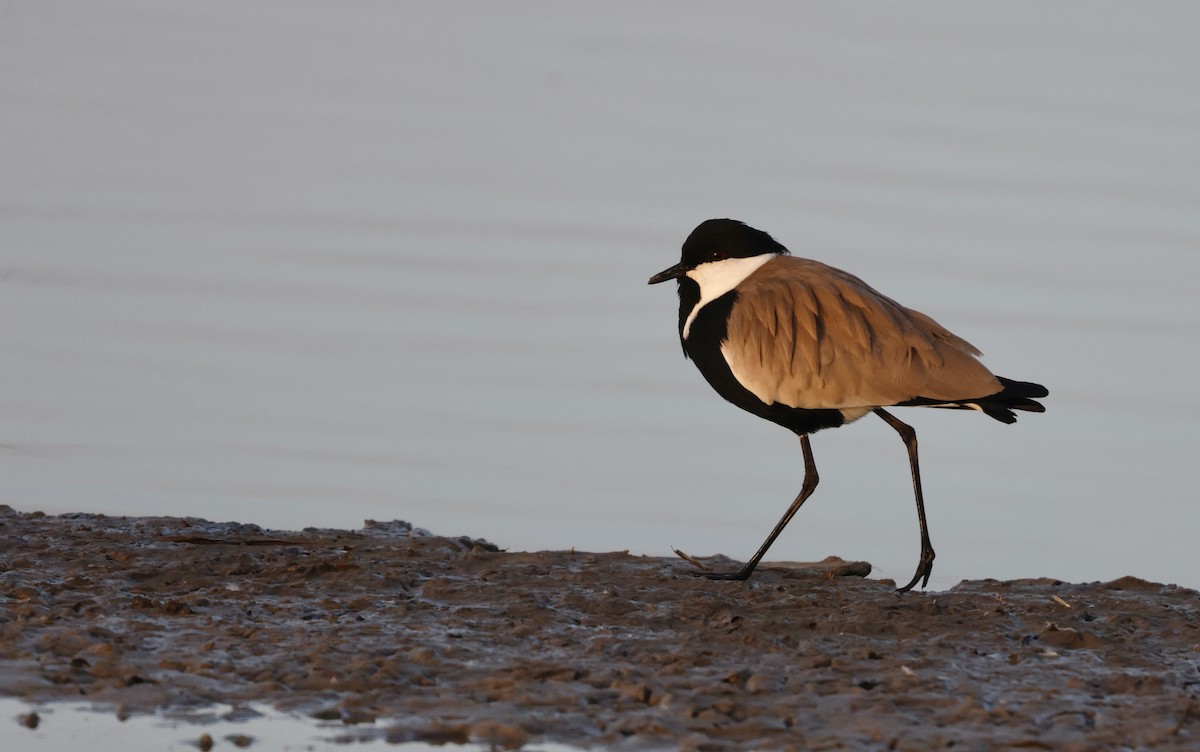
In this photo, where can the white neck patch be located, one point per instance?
(719, 277)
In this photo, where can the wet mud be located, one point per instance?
(403, 635)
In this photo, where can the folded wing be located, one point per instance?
(807, 335)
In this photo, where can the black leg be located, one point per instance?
(810, 484)
(925, 567)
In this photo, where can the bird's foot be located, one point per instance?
(924, 569)
(742, 574)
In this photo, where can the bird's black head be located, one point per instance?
(717, 240)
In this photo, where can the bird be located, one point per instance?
(809, 347)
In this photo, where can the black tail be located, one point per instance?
(1016, 395)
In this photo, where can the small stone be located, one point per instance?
(637, 692)
(354, 716)
(438, 734)
(1068, 638)
(496, 734)
(760, 683)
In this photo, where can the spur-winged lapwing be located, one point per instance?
(809, 346)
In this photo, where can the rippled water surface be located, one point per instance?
(306, 264)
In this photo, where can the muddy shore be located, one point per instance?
(404, 635)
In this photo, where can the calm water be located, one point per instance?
(307, 264)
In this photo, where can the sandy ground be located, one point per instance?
(408, 636)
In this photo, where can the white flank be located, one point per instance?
(719, 277)
(851, 414)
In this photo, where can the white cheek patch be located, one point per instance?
(716, 278)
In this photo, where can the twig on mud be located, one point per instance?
(1060, 601)
(691, 560)
(206, 541)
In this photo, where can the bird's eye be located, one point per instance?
(716, 255)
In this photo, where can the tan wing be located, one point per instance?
(807, 335)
